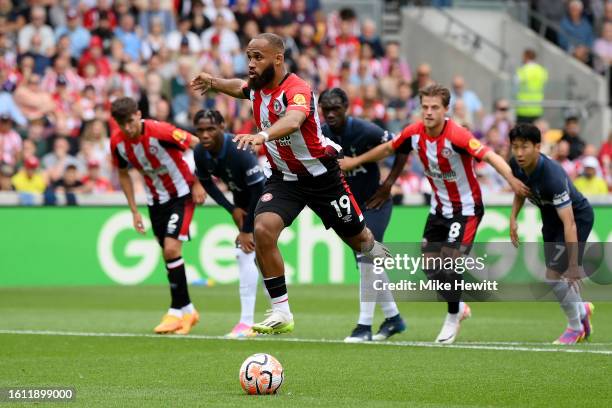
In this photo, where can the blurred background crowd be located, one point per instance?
(62, 62)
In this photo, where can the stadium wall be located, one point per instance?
(98, 246)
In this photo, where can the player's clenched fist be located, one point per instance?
(202, 82)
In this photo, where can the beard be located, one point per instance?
(260, 81)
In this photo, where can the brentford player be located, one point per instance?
(302, 167)
(156, 150)
(447, 152)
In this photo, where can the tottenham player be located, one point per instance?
(357, 136)
(446, 151)
(217, 155)
(156, 149)
(567, 220)
(302, 167)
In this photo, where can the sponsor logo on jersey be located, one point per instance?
(299, 99)
(266, 197)
(285, 141)
(446, 152)
(179, 135)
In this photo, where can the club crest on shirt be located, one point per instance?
(446, 152)
(266, 197)
(277, 107)
(153, 150)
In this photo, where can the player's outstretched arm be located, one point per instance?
(125, 182)
(284, 126)
(517, 204)
(384, 191)
(500, 165)
(205, 81)
(374, 155)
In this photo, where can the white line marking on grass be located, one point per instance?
(511, 346)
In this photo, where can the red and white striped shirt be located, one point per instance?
(158, 155)
(300, 153)
(448, 162)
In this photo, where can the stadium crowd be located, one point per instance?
(63, 62)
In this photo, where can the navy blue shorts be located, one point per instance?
(377, 220)
(555, 253)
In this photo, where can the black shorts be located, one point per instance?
(457, 232)
(555, 251)
(328, 195)
(172, 219)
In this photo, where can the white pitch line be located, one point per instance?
(466, 346)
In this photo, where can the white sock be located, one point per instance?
(175, 312)
(367, 303)
(570, 303)
(378, 250)
(582, 309)
(249, 275)
(188, 309)
(281, 303)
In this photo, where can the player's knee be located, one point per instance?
(172, 250)
(264, 235)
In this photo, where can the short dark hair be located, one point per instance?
(527, 132)
(123, 108)
(274, 40)
(334, 93)
(436, 90)
(213, 115)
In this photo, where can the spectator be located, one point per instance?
(152, 92)
(95, 55)
(62, 67)
(34, 101)
(243, 13)
(29, 181)
(155, 12)
(70, 181)
(128, 37)
(392, 56)
(154, 41)
(275, 17)
(103, 11)
(38, 16)
(41, 60)
(218, 8)
(347, 42)
(79, 36)
(500, 119)
(300, 13)
(104, 30)
(8, 107)
(219, 34)
(370, 37)
(603, 48)
(178, 37)
(10, 141)
(423, 78)
(571, 134)
(56, 161)
(93, 182)
(561, 155)
(575, 28)
(6, 174)
(472, 102)
(589, 183)
(605, 158)
(461, 114)
(531, 79)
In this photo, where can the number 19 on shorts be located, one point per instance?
(342, 203)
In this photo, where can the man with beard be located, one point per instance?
(302, 168)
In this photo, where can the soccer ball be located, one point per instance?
(261, 374)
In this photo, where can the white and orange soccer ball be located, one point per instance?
(261, 374)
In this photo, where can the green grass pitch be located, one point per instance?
(503, 357)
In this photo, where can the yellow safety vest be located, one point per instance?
(532, 79)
